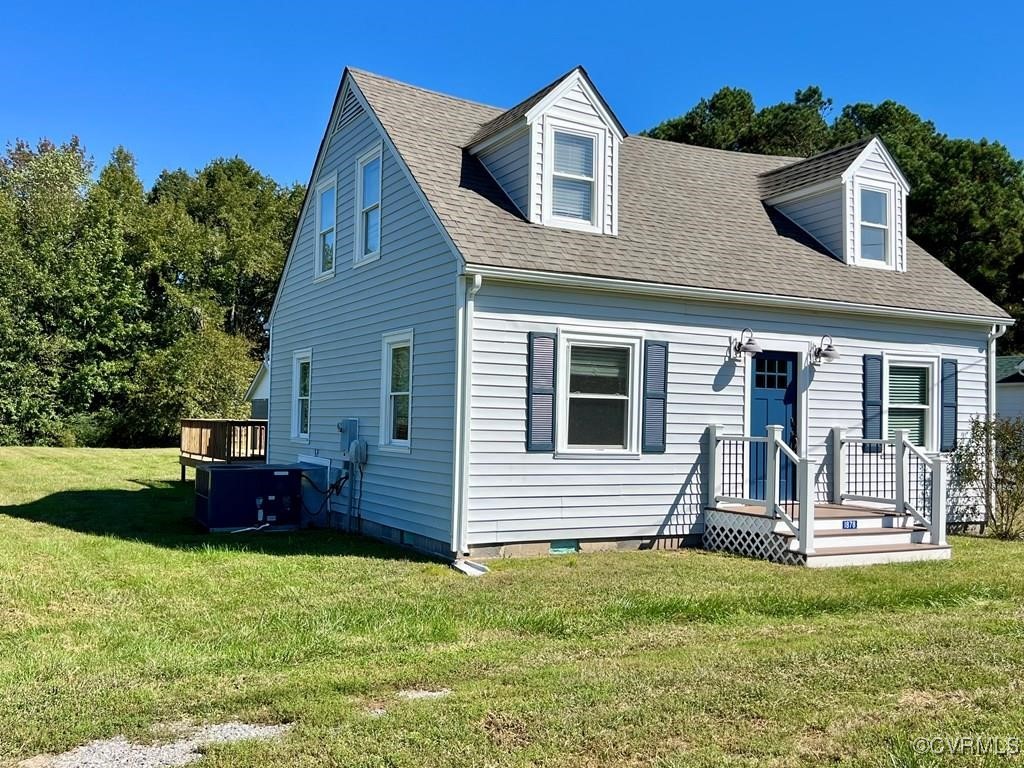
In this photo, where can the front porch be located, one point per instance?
(883, 501)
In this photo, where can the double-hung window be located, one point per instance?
(599, 410)
(302, 374)
(326, 214)
(368, 188)
(573, 178)
(396, 390)
(910, 402)
(874, 226)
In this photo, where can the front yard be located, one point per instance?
(116, 615)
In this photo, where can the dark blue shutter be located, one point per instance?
(541, 356)
(872, 402)
(947, 430)
(655, 395)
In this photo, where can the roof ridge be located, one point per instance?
(730, 152)
(431, 91)
(863, 142)
(517, 110)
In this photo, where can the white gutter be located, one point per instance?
(646, 288)
(995, 333)
(467, 288)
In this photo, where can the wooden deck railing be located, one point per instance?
(204, 440)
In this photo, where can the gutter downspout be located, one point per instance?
(995, 333)
(469, 285)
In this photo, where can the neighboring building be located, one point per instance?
(1009, 386)
(258, 394)
(543, 327)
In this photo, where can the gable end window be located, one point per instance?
(302, 375)
(368, 207)
(326, 214)
(396, 391)
(572, 177)
(874, 226)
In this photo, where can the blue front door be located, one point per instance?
(773, 401)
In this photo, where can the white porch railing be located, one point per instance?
(729, 461)
(891, 471)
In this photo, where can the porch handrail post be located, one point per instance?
(805, 491)
(771, 469)
(838, 455)
(714, 475)
(938, 519)
(901, 472)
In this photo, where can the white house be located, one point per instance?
(1010, 386)
(552, 335)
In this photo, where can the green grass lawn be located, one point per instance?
(115, 614)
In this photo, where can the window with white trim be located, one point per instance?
(326, 215)
(909, 402)
(573, 186)
(874, 226)
(302, 377)
(368, 207)
(599, 379)
(396, 390)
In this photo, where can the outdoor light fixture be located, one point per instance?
(824, 352)
(740, 347)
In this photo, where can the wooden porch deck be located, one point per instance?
(222, 440)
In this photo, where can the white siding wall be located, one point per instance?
(821, 216)
(1010, 400)
(520, 496)
(509, 164)
(342, 319)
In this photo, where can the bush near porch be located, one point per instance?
(116, 615)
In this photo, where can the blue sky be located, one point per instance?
(182, 83)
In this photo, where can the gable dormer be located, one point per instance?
(556, 155)
(851, 199)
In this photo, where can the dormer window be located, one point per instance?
(874, 225)
(572, 176)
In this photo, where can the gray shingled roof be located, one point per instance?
(688, 216)
(1006, 369)
(803, 173)
(507, 118)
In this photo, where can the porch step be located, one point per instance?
(867, 538)
(834, 557)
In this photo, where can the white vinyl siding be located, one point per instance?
(821, 216)
(413, 285)
(509, 165)
(515, 495)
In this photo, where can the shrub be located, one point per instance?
(1005, 520)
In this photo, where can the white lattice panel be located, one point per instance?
(747, 535)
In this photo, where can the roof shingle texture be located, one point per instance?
(688, 216)
(802, 173)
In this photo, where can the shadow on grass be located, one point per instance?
(161, 514)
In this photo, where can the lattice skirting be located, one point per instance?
(747, 535)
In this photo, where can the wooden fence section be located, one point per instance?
(205, 440)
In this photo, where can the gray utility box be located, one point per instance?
(230, 497)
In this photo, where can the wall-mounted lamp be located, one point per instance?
(824, 352)
(739, 347)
